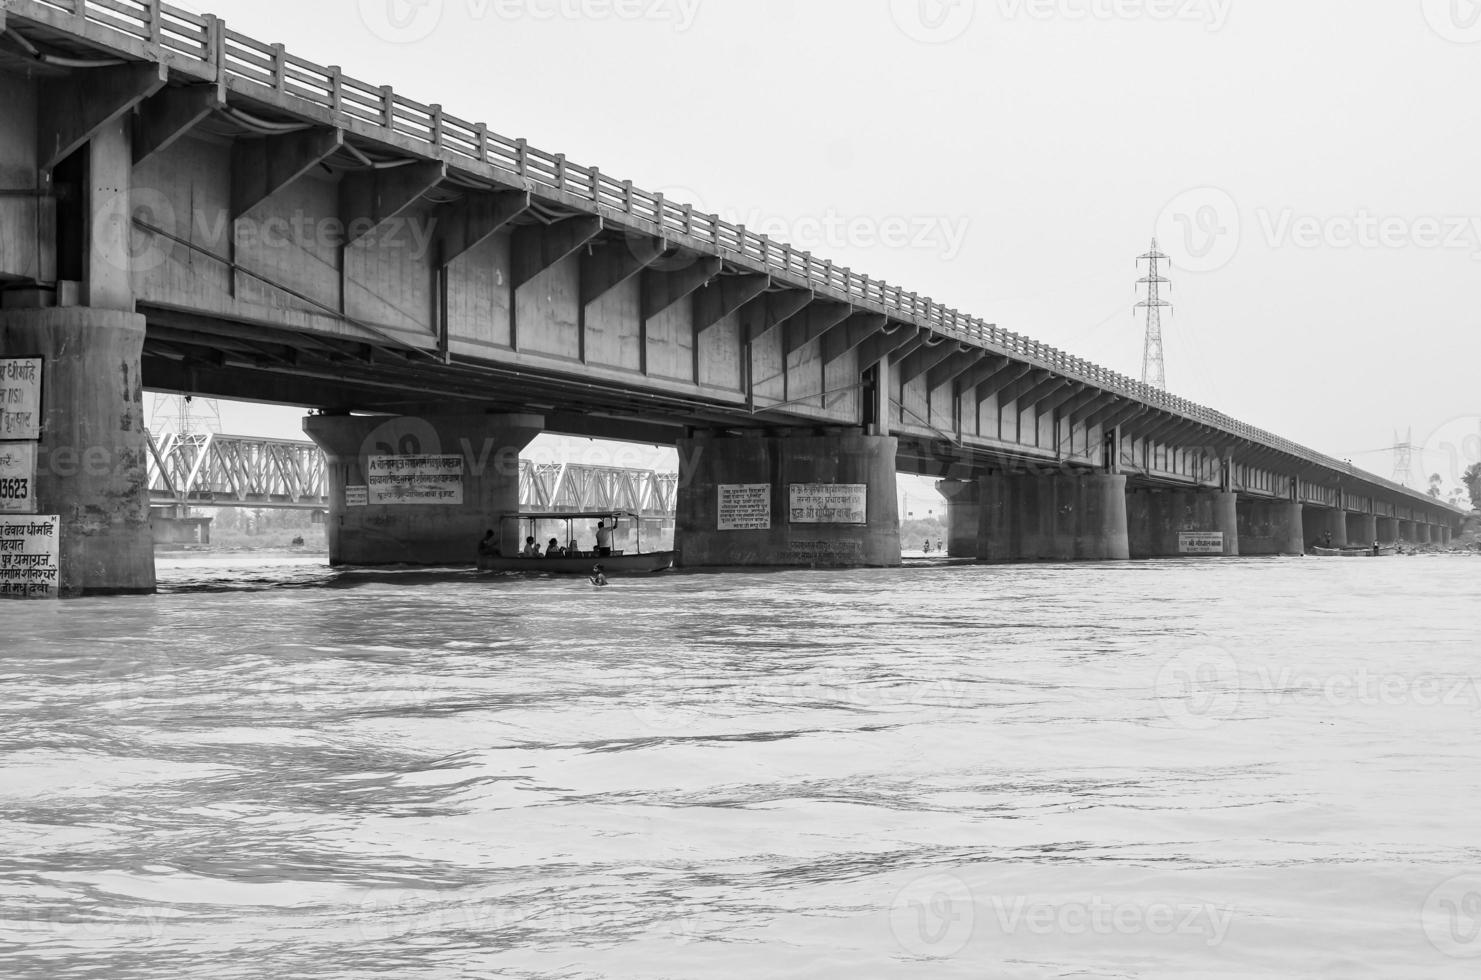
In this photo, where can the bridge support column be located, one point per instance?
(1422, 533)
(1270, 527)
(415, 510)
(1407, 532)
(91, 461)
(762, 499)
(1058, 517)
(1362, 529)
(1162, 523)
(1321, 521)
(1388, 530)
(963, 515)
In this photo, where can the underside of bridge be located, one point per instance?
(185, 208)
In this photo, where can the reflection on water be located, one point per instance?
(1249, 768)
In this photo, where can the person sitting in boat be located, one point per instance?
(532, 550)
(571, 550)
(553, 549)
(604, 540)
(1327, 540)
(489, 546)
(598, 575)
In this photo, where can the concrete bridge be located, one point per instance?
(190, 209)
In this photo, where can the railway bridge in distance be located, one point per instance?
(188, 209)
(197, 470)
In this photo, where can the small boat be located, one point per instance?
(1321, 552)
(619, 562)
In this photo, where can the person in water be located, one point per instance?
(598, 576)
(489, 546)
(604, 540)
(532, 550)
(553, 549)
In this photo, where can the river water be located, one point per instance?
(1176, 769)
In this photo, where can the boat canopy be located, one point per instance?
(571, 515)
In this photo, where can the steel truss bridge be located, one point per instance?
(207, 469)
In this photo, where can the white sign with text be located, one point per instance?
(416, 480)
(744, 507)
(17, 477)
(20, 398)
(1201, 542)
(829, 503)
(30, 557)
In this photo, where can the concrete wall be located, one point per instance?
(1270, 527)
(422, 533)
(1055, 517)
(1157, 520)
(25, 245)
(708, 461)
(92, 455)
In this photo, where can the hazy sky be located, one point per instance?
(1311, 167)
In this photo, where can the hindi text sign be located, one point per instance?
(30, 563)
(829, 503)
(744, 507)
(1201, 542)
(357, 496)
(416, 480)
(20, 398)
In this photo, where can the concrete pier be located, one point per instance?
(420, 490)
(91, 459)
(1058, 517)
(1321, 521)
(1270, 527)
(963, 515)
(1180, 523)
(788, 500)
(1362, 529)
(1388, 530)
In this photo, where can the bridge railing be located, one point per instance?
(203, 45)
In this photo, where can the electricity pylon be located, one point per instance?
(1154, 367)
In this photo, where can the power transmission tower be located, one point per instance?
(1154, 368)
(185, 415)
(1404, 458)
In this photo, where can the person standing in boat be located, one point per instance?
(604, 540)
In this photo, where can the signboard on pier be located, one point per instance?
(357, 496)
(20, 398)
(744, 507)
(17, 478)
(829, 503)
(30, 562)
(434, 480)
(1201, 542)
